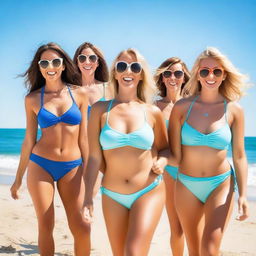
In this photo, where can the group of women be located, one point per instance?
(152, 151)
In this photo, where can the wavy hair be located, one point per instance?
(35, 80)
(101, 72)
(146, 88)
(232, 88)
(158, 77)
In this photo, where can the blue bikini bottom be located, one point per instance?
(172, 171)
(127, 200)
(202, 187)
(57, 169)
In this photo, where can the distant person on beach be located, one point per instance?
(93, 70)
(171, 77)
(123, 133)
(202, 126)
(59, 106)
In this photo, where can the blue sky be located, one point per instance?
(158, 29)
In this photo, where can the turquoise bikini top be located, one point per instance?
(219, 139)
(142, 138)
(167, 123)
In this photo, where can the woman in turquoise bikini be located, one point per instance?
(170, 78)
(201, 128)
(123, 133)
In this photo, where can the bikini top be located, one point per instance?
(101, 99)
(167, 123)
(219, 139)
(142, 138)
(46, 118)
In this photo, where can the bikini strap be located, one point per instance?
(190, 107)
(42, 96)
(71, 94)
(225, 110)
(109, 108)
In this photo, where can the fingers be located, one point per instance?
(14, 194)
(243, 211)
(88, 214)
(156, 168)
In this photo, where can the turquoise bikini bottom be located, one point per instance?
(202, 187)
(127, 200)
(172, 171)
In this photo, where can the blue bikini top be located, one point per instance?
(142, 138)
(46, 118)
(219, 139)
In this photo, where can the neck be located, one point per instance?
(54, 86)
(125, 96)
(172, 96)
(210, 97)
(88, 80)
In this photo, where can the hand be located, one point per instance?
(243, 209)
(157, 168)
(14, 189)
(88, 212)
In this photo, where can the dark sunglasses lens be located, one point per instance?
(81, 58)
(217, 72)
(44, 63)
(167, 74)
(178, 74)
(204, 73)
(121, 67)
(136, 67)
(93, 58)
(56, 63)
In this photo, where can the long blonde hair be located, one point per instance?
(231, 88)
(146, 89)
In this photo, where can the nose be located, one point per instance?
(87, 61)
(211, 75)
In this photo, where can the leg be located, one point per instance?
(218, 209)
(71, 189)
(177, 236)
(190, 212)
(144, 217)
(41, 188)
(116, 219)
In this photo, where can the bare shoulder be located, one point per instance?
(33, 98)
(153, 109)
(100, 106)
(235, 109)
(183, 104)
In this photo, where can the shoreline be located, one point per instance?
(19, 230)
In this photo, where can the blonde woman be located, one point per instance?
(170, 78)
(201, 128)
(122, 134)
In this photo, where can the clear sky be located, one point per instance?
(158, 29)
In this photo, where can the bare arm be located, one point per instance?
(27, 146)
(239, 159)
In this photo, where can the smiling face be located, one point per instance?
(210, 74)
(88, 67)
(128, 78)
(51, 73)
(175, 81)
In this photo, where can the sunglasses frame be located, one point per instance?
(128, 66)
(211, 71)
(50, 62)
(173, 72)
(87, 56)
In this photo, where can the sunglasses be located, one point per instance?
(56, 63)
(204, 72)
(122, 66)
(177, 74)
(92, 58)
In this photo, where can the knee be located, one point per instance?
(46, 225)
(176, 232)
(79, 227)
(209, 250)
(134, 249)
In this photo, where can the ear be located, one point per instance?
(224, 76)
(63, 67)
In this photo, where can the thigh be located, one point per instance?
(218, 209)
(190, 212)
(144, 217)
(116, 218)
(41, 188)
(169, 204)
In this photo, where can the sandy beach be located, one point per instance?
(18, 230)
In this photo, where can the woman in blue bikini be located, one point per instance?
(170, 78)
(60, 109)
(126, 135)
(201, 128)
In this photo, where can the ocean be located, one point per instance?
(11, 141)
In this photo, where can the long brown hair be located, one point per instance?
(163, 67)
(33, 77)
(101, 73)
